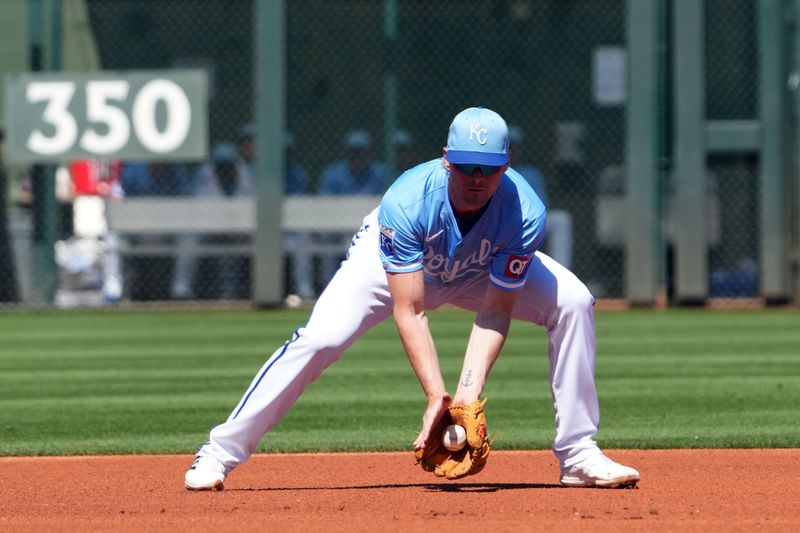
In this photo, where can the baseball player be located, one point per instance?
(463, 229)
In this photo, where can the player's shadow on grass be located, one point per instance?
(429, 487)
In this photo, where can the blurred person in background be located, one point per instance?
(357, 173)
(296, 182)
(151, 277)
(8, 286)
(155, 178)
(93, 177)
(403, 146)
(246, 152)
(558, 241)
(295, 243)
(227, 175)
(296, 176)
(86, 183)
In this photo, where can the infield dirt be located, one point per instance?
(680, 490)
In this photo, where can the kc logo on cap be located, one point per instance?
(480, 133)
(478, 136)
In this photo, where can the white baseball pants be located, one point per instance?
(357, 298)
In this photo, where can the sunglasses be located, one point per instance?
(469, 170)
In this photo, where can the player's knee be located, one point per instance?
(577, 299)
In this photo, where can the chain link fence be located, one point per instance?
(733, 188)
(371, 89)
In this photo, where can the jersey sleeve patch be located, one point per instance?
(516, 266)
(509, 271)
(387, 241)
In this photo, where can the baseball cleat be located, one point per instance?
(599, 471)
(206, 473)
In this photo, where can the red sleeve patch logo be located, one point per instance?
(516, 266)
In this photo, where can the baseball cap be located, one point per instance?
(224, 153)
(247, 131)
(357, 140)
(402, 138)
(478, 136)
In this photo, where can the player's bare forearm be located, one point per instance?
(421, 352)
(485, 343)
(482, 351)
(408, 297)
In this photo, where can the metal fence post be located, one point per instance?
(691, 244)
(774, 263)
(795, 104)
(270, 107)
(45, 220)
(643, 234)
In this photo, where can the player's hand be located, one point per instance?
(432, 418)
(428, 448)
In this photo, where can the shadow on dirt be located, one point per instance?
(428, 487)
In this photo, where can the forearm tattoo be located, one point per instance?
(467, 381)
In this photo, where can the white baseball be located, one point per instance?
(454, 437)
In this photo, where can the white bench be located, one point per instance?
(151, 216)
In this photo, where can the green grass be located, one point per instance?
(156, 382)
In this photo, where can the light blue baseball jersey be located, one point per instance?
(418, 230)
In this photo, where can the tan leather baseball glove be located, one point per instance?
(467, 461)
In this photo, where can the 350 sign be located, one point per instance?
(131, 115)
